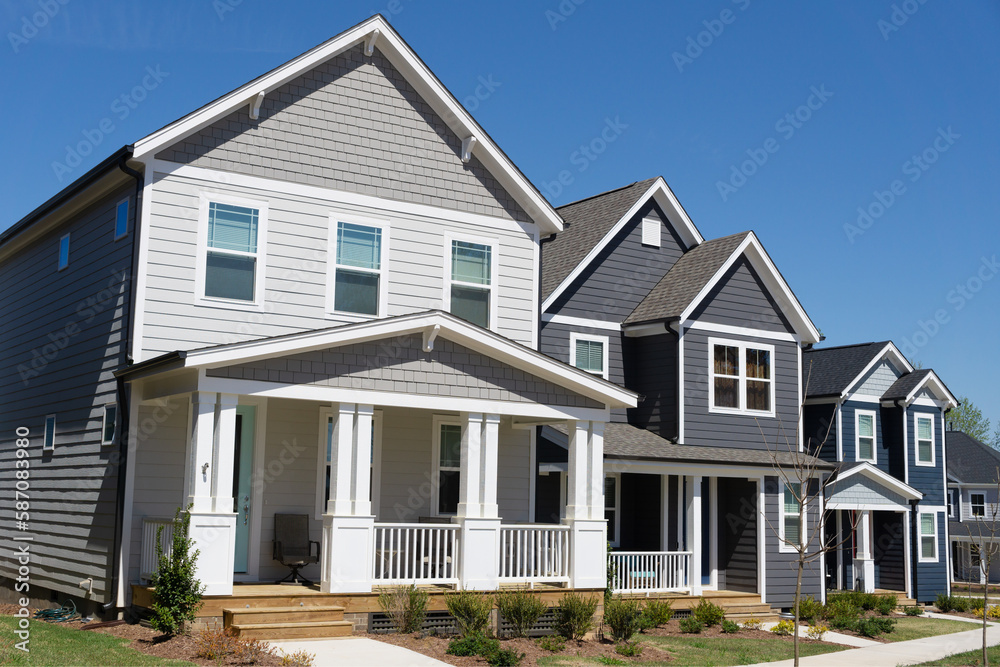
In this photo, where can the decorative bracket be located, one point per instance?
(255, 103)
(370, 42)
(429, 335)
(467, 145)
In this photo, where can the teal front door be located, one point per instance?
(243, 483)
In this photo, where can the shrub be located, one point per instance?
(730, 627)
(816, 631)
(886, 604)
(298, 658)
(623, 617)
(553, 643)
(406, 607)
(656, 613)
(913, 611)
(691, 625)
(521, 609)
(783, 628)
(504, 657)
(629, 649)
(946, 603)
(842, 608)
(973, 603)
(177, 592)
(992, 612)
(218, 645)
(707, 613)
(875, 626)
(943, 603)
(575, 615)
(473, 645)
(471, 612)
(752, 623)
(810, 609)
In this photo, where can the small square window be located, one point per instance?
(49, 440)
(110, 427)
(121, 219)
(651, 231)
(589, 353)
(64, 252)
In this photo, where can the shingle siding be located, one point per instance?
(878, 380)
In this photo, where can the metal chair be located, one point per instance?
(292, 546)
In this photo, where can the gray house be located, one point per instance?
(973, 473)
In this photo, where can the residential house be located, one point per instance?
(973, 474)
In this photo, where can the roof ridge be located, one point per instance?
(606, 192)
(844, 347)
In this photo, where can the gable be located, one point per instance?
(878, 380)
(352, 123)
(741, 299)
(399, 365)
(860, 490)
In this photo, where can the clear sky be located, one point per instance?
(781, 117)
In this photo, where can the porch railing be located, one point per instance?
(650, 571)
(534, 553)
(407, 553)
(150, 526)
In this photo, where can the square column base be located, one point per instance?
(479, 553)
(214, 536)
(588, 553)
(866, 568)
(347, 554)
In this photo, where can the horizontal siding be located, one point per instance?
(781, 568)
(932, 578)
(554, 341)
(652, 363)
(741, 299)
(819, 428)
(929, 480)
(62, 336)
(883, 455)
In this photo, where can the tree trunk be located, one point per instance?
(798, 596)
(984, 562)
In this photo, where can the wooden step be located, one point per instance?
(304, 630)
(256, 615)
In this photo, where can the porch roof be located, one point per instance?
(862, 486)
(968, 531)
(625, 441)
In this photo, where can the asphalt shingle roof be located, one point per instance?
(971, 461)
(902, 387)
(631, 442)
(685, 279)
(829, 371)
(587, 222)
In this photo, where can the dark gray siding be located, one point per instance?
(651, 362)
(819, 428)
(740, 299)
(62, 336)
(737, 522)
(850, 441)
(623, 274)
(554, 341)
(781, 568)
(728, 430)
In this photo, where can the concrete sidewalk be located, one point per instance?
(904, 653)
(357, 652)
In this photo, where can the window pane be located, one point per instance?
(451, 445)
(448, 492)
(726, 392)
(866, 426)
(471, 304)
(110, 415)
(232, 227)
(924, 450)
(470, 262)
(792, 529)
(758, 364)
(791, 502)
(590, 356)
(927, 547)
(927, 524)
(230, 277)
(865, 448)
(64, 252)
(49, 440)
(924, 428)
(121, 219)
(758, 395)
(726, 360)
(609, 492)
(356, 292)
(359, 246)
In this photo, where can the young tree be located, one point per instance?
(987, 539)
(969, 419)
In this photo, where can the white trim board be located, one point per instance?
(883, 478)
(581, 322)
(890, 350)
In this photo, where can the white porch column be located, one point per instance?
(864, 563)
(210, 484)
(694, 531)
(348, 548)
(585, 505)
(477, 514)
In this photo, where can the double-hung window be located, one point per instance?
(232, 257)
(791, 523)
(924, 435)
(589, 353)
(470, 284)
(742, 377)
(865, 449)
(448, 452)
(358, 272)
(977, 503)
(928, 537)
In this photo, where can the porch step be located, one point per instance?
(257, 615)
(304, 630)
(743, 612)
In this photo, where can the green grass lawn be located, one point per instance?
(966, 659)
(914, 627)
(705, 651)
(53, 644)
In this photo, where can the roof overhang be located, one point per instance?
(889, 353)
(753, 250)
(429, 324)
(664, 197)
(374, 32)
(879, 477)
(933, 383)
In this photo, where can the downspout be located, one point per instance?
(916, 546)
(123, 397)
(949, 566)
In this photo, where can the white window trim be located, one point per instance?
(439, 421)
(783, 546)
(973, 503)
(953, 501)
(128, 205)
(331, 264)
(916, 443)
(46, 446)
(921, 536)
(617, 509)
(857, 435)
(325, 415)
(59, 258)
(104, 424)
(494, 245)
(603, 340)
(741, 368)
(206, 198)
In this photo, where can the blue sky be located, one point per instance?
(781, 117)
